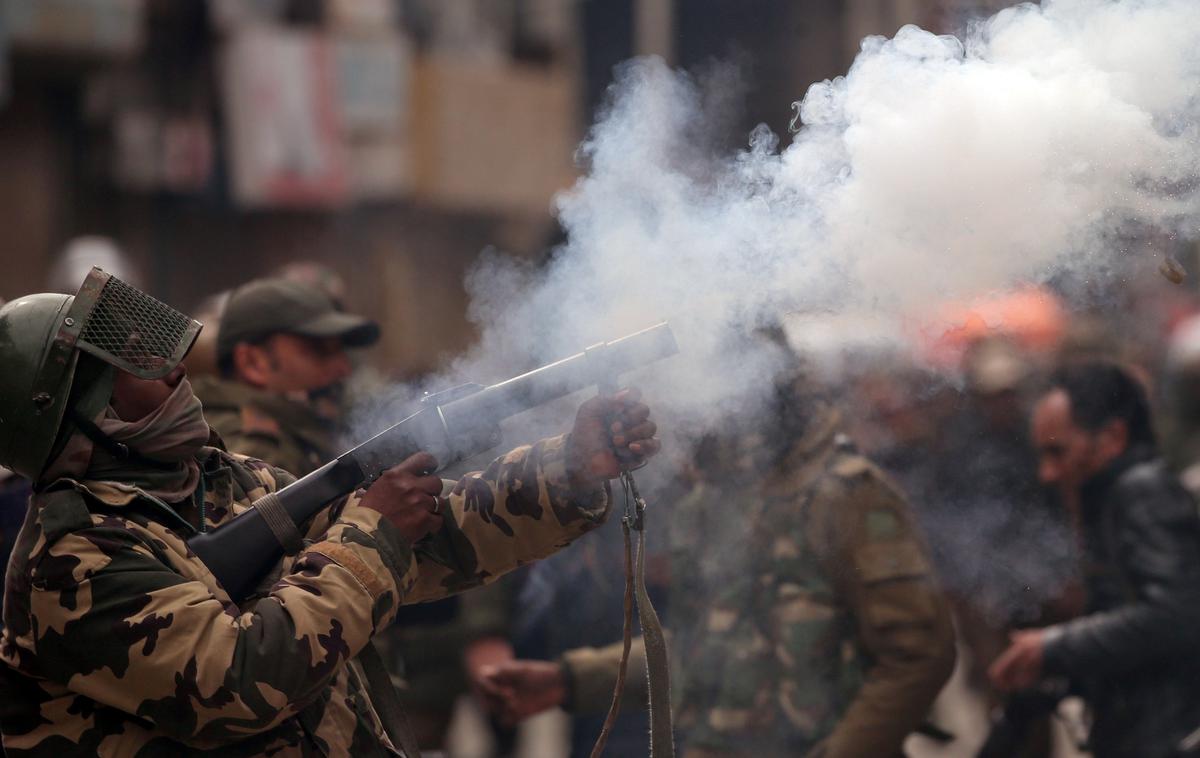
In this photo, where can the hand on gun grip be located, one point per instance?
(409, 497)
(612, 433)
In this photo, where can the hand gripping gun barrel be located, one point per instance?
(451, 425)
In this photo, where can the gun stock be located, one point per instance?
(451, 425)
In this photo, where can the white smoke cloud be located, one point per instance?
(936, 168)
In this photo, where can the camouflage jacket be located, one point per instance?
(811, 626)
(118, 641)
(270, 427)
(425, 650)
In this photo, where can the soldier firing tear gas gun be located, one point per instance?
(118, 638)
(451, 426)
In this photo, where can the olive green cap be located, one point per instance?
(265, 307)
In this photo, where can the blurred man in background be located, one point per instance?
(804, 615)
(281, 352)
(1132, 655)
(202, 361)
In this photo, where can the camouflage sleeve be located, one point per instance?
(116, 624)
(518, 510)
(591, 676)
(881, 570)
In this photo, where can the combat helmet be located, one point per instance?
(42, 340)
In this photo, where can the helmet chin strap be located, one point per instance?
(118, 450)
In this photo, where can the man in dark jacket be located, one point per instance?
(1133, 654)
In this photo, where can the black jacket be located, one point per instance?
(1135, 653)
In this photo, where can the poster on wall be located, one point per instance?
(374, 74)
(283, 120)
(373, 79)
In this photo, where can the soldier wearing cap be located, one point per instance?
(281, 351)
(118, 640)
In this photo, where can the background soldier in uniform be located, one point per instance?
(119, 640)
(281, 351)
(804, 616)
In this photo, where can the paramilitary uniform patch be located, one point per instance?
(895, 560)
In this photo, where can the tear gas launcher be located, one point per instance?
(452, 425)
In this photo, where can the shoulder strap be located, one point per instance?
(658, 673)
(614, 707)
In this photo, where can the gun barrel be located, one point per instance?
(241, 551)
(599, 364)
(451, 430)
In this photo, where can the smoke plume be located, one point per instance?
(937, 167)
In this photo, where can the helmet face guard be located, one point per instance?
(120, 325)
(41, 340)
